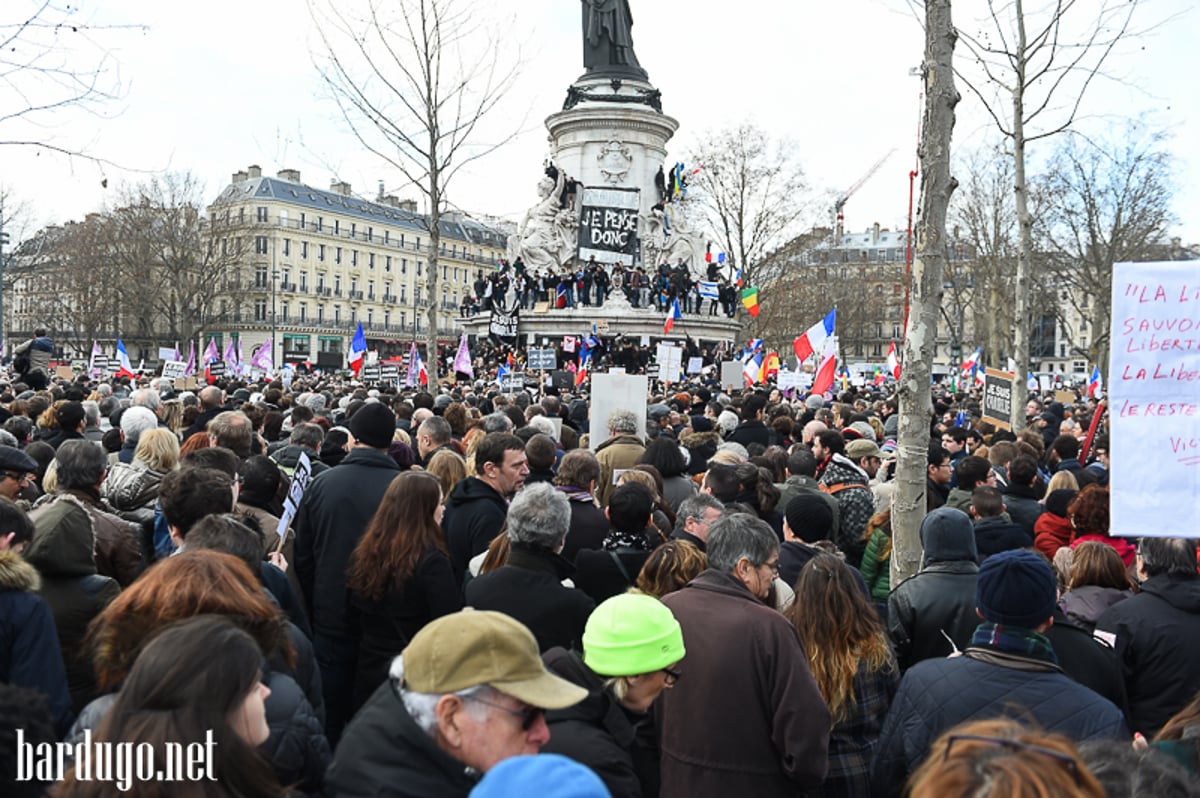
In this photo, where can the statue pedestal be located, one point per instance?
(611, 137)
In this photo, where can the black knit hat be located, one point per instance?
(1016, 588)
(373, 424)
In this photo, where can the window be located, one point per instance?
(353, 285)
(283, 311)
(387, 236)
(303, 220)
(287, 247)
(387, 263)
(303, 312)
(262, 214)
(224, 246)
(260, 277)
(320, 283)
(337, 314)
(320, 223)
(286, 275)
(403, 293)
(354, 257)
(895, 330)
(241, 215)
(283, 218)
(304, 250)
(260, 245)
(337, 254)
(417, 246)
(445, 272)
(337, 284)
(337, 226)
(260, 310)
(304, 281)
(404, 265)
(370, 233)
(371, 260)
(321, 252)
(353, 228)
(320, 314)
(370, 317)
(402, 239)
(370, 289)
(387, 318)
(418, 268)
(896, 289)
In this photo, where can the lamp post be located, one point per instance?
(274, 277)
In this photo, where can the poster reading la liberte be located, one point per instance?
(1154, 395)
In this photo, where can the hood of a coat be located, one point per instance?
(598, 707)
(64, 539)
(947, 535)
(16, 574)
(842, 471)
(694, 440)
(1181, 592)
(622, 440)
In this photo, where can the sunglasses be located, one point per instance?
(528, 715)
(1065, 760)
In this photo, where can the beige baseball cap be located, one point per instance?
(476, 647)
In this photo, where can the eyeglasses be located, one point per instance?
(528, 715)
(1065, 760)
(672, 676)
(774, 566)
(15, 477)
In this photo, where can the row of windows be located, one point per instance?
(261, 247)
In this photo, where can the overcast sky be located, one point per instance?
(213, 87)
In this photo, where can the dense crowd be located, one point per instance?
(494, 594)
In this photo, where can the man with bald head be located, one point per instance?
(810, 431)
(212, 401)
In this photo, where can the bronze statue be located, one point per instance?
(607, 40)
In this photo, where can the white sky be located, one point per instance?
(213, 87)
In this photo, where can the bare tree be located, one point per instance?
(414, 80)
(937, 186)
(754, 194)
(1031, 70)
(51, 60)
(1107, 201)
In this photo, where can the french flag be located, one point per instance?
(814, 339)
(123, 358)
(893, 361)
(1095, 384)
(672, 315)
(358, 350)
(972, 363)
(827, 371)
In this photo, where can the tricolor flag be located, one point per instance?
(462, 358)
(417, 375)
(752, 368)
(827, 370)
(750, 300)
(672, 314)
(501, 373)
(970, 364)
(358, 350)
(1031, 382)
(123, 359)
(813, 339)
(561, 301)
(893, 361)
(1095, 384)
(585, 362)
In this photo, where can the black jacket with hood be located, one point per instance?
(939, 600)
(475, 514)
(615, 743)
(1158, 641)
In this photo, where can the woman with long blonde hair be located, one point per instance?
(852, 664)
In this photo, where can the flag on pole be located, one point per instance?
(501, 373)
(827, 369)
(261, 358)
(893, 361)
(190, 369)
(970, 364)
(752, 368)
(672, 314)
(211, 352)
(1031, 382)
(178, 356)
(231, 358)
(813, 339)
(1095, 383)
(1012, 366)
(750, 300)
(770, 366)
(125, 369)
(585, 362)
(239, 366)
(92, 360)
(358, 350)
(417, 375)
(709, 290)
(462, 358)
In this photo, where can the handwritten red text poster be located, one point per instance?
(1154, 395)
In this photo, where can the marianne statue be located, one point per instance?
(607, 40)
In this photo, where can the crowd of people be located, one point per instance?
(591, 284)
(494, 594)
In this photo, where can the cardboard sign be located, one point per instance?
(389, 373)
(997, 398)
(541, 360)
(732, 378)
(670, 363)
(616, 391)
(608, 224)
(174, 369)
(505, 317)
(64, 372)
(1065, 397)
(1154, 399)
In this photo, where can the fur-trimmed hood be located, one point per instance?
(694, 440)
(16, 574)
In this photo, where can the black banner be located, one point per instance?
(608, 223)
(504, 320)
(997, 397)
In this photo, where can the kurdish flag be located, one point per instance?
(750, 300)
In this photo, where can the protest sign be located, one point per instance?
(731, 375)
(174, 369)
(370, 374)
(562, 380)
(997, 398)
(64, 372)
(505, 317)
(389, 373)
(695, 364)
(670, 363)
(1154, 399)
(608, 223)
(216, 369)
(611, 391)
(294, 495)
(541, 360)
(165, 353)
(512, 382)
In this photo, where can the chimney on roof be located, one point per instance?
(290, 175)
(255, 171)
(875, 233)
(390, 200)
(239, 176)
(409, 205)
(340, 187)
(380, 195)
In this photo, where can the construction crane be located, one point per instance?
(839, 206)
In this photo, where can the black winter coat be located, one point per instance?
(529, 588)
(475, 514)
(383, 753)
(1158, 641)
(1023, 506)
(600, 733)
(1088, 660)
(333, 515)
(589, 524)
(749, 432)
(940, 693)
(994, 535)
(939, 598)
(598, 574)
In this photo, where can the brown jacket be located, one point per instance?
(618, 453)
(747, 717)
(118, 552)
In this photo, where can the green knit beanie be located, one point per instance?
(631, 634)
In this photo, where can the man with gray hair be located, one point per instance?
(696, 515)
(306, 437)
(529, 586)
(91, 419)
(468, 692)
(147, 398)
(433, 434)
(134, 421)
(80, 467)
(497, 422)
(765, 731)
(234, 431)
(620, 452)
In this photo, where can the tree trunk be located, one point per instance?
(929, 263)
(1022, 317)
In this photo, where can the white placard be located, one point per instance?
(173, 369)
(695, 365)
(295, 494)
(1154, 399)
(731, 375)
(670, 363)
(612, 391)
